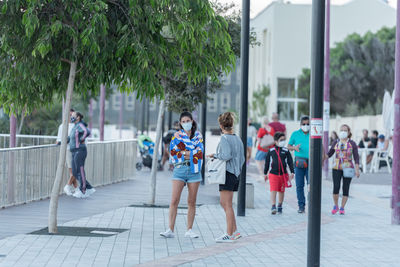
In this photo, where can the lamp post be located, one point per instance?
(244, 88)
(327, 85)
(317, 84)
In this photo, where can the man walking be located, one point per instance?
(299, 142)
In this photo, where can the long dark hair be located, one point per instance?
(194, 123)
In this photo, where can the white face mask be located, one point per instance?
(282, 143)
(305, 128)
(343, 135)
(187, 126)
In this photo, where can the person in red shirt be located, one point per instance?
(263, 151)
(278, 127)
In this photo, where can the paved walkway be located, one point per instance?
(363, 237)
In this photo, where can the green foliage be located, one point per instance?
(362, 68)
(133, 43)
(303, 91)
(259, 103)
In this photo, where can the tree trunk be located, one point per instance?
(154, 165)
(91, 113)
(13, 130)
(63, 150)
(121, 114)
(21, 123)
(102, 110)
(11, 165)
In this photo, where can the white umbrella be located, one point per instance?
(392, 113)
(386, 112)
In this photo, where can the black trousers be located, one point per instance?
(78, 168)
(337, 176)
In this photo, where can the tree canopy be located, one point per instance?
(362, 68)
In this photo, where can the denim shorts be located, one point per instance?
(184, 174)
(249, 142)
(261, 155)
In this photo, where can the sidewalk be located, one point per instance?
(363, 237)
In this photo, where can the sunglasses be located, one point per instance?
(305, 124)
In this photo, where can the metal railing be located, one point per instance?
(27, 173)
(25, 140)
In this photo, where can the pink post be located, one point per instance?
(91, 113)
(396, 136)
(102, 110)
(327, 86)
(121, 115)
(13, 130)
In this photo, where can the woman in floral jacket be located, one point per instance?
(187, 156)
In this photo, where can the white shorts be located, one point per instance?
(68, 159)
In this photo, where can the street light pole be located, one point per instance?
(327, 85)
(244, 88)
(396, 134)
(204, 129)
(317, 85)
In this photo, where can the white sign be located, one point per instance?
(316, 128)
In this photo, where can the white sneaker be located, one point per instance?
(90, 192)
(191, 234)
(168, 234)
(78, 194)
(68, 190)
(225, 239)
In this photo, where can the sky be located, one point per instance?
(258, 5)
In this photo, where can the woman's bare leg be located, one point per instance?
(177, 187)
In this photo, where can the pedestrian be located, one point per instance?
(77, 145)
(276, 124)
(231, 150)
(263, 148)
(251, 135)
(276, 163)
(72, 184)
(167, 141)
(364, 140)
(345, 168)
(187, 156)
(300, 143)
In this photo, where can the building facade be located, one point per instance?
(284, 31)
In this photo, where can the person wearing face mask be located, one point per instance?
(278, 158)
(78, 149)
(187, 156)
(345, 168)
(300, 143)
(262, 151)
(231, 150)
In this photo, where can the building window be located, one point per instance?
(238, 77)
(286, 88)
(238, 102)
(130, 102)
(116, 101)
(152, 105)
(286, 110)
(212, 103)
(225, 102)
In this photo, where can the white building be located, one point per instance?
(284, 31)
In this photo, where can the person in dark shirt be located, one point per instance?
(364, 140)
(278, 158)
(373, 142)
(167, 141)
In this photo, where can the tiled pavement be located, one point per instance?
(363, 237)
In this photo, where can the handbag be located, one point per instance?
(267, 141)
(349, 172)
(285, 176)
(216, 171)
(301, 163)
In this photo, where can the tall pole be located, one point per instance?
(396, 136)
(102, 110)
(169, 120)
(91, 113)
(204, 129)
(244, 88)
(148, 117)
(317, 85)
(121, 114)
(143, 116)
(327, 85)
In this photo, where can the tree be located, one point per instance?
(259, 104)
(51, 47)
(362, 68)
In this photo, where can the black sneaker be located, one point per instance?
(273, 210)
(279, 209)
(301, 210)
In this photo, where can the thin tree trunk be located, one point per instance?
(11, 165)
(121, 114)
(154, 166)
(13, 130)
(91, 113)
(61, 161)
(21, 123)
(102, 110)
